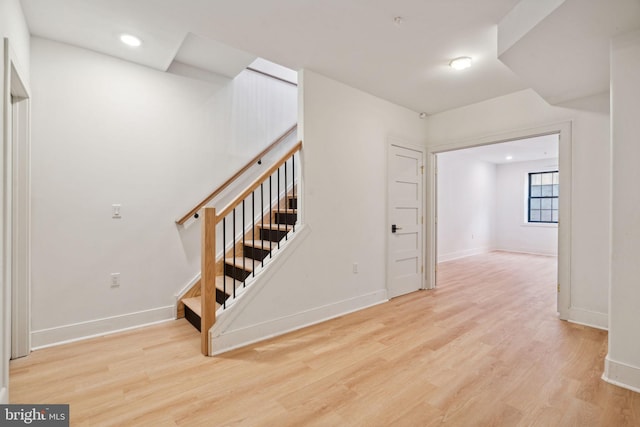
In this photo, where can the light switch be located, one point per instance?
(115, 280)
(115, 211)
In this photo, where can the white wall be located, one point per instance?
(524, 110)
(107, 131)
(345, 135)
(482, 207)
(513, 233)
(466, 205)
(622, 365)
(14, 27)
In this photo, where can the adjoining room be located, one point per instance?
(499, 199)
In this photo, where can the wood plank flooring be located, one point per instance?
(484, 349)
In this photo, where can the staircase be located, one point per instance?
(249, 228)
(247, 257)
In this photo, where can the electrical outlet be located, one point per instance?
(115, 280)
(115, 211)
(355, 268)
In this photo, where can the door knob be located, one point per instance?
(395, 228)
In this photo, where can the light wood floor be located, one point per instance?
(484, 349)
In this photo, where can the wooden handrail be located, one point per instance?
(256, 183)
(235, 176)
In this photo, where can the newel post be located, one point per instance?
(208, 277)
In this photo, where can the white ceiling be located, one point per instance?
(565, 55)
(208, 54)
(521, 150)
(354, 41)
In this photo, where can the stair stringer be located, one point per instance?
(264, 311)
(218, 342)
(193, 287)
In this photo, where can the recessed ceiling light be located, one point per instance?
(130, 40)
(460, 63)
(509, 157)
(398, 20)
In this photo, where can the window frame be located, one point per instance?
(541, 197)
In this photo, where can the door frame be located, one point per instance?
(563, 129)
(399, 142)
(16, 221)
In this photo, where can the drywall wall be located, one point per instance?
(106, 132)
(622, 365)
(466, 205)
(525, 110)
(513, 232)
(12, 26)
(482, 207)
(343, 192)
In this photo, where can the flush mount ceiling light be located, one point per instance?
(509, 157)
(460, 63)
(130, 40)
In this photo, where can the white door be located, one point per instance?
(405, 270)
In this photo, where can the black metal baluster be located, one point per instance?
(293, 188)
(224, 249)
(262, 217)
(234, 252)
(253, 231)
(270, 214)
(286, 208)
(243, 242)
(278, 208)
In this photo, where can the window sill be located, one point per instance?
(540, 224)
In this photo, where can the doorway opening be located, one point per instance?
(17, 206)
(498, 194)
(499, 197)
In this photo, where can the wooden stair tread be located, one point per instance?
(220, 284)
(238, 263)
(260, 244)
(279, 227)
(194, 303)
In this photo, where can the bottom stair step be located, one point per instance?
(192, 310)
(194, 305)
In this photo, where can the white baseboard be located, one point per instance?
(241, 337)
(621, 374)
(4, 396)
(528, 251)
(593, 319)
(93, 328)
(462, 254)
(225, 318)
